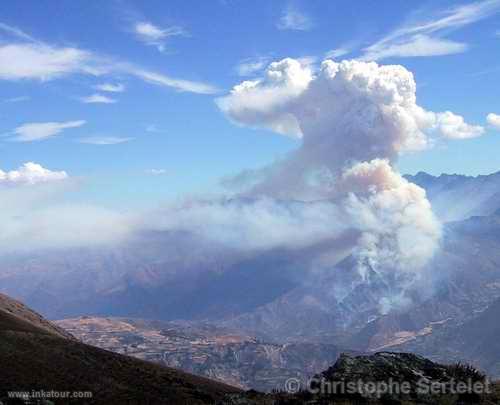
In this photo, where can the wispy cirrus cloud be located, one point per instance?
(250, 66)
(16, 32)
(42, 62)
(16, 99)
(178, 84)
(294, 19)
(153, 128)
(427, 38)
(153, 35)
(97, 99)
(110, 87)
(156, 172)
(336, 53)
(30, 59)
(38, 131)
(104, 140)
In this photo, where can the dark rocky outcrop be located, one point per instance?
(397, 377)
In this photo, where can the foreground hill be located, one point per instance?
(36, 355)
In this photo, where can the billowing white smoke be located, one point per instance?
(398, 229)
(255, 224)
(354, 119)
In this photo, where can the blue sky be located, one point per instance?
(129, 87)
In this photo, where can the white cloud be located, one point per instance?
(31, 173)
(294, 19)
(98, 99)
(110, 87)
(35, 60)
(152, 128)
(424, 38)
(308, 61)
(250, 66)
(178, 84)
(493, 120)
(336, 53)
(17, 99)
(41, 62)
(16, 32)
(104, 140)
(418, 45)
(453, 126)
(156, 172)
(153, 35)
(37, 131)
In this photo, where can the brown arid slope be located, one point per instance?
(207, 350)
(37, 356)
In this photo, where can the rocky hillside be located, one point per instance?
(206, 350)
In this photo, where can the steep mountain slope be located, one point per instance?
(37, 356)
(466, 278)
(475, 341)
(131, 280)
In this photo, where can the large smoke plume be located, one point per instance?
(339, 187)
(354, 120)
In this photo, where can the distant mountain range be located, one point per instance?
(273, 297)
(456, 197)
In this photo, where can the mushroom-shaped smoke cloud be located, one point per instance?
(349, 112)
(354, 120)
